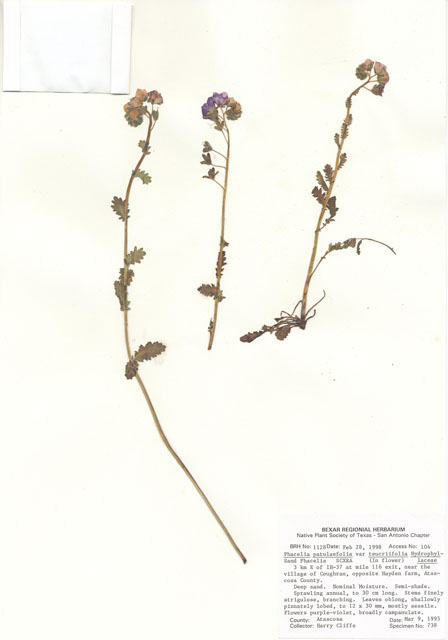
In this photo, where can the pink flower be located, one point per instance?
(155, 97)
(381, 73)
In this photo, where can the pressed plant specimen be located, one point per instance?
(375, 77)
(219, 108)
(144, 107)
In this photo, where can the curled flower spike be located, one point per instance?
(379, 74)
(135, 109)
(378, 89)
(362, 70)
(383, 78)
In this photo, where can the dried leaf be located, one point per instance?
(144, 177)
(348, 103)
(321, 181)
(283, 332)
(219, 271)
(342, 160)
(211, 291)
(318, 194)
(252, 335)
(210, 326)
(134, 256)
(331, 206)
(212, 173)
(148, 351)
(129, 276)
(344, 130)
(328, 170)
(121, 293)
(336, 139)
(358, 248)
(144, 146)
(337, 246)
(118, 206)
(207, 290)
(131, 369)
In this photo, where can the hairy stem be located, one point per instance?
(222, 242)
(138, 377)
(318, 229)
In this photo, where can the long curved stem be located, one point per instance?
(222, 242)
(138, 377)
(322, 258)
(317, 231)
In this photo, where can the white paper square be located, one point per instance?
(67, 47)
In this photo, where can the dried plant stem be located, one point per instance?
(222, 242)
(309, 275)
(322, 258)
(137, 375)
(375, 72)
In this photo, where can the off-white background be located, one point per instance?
(102, 536)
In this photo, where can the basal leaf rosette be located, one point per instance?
(220, 106)
(136, 108)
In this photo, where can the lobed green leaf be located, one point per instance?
(144, 177)
(331, 206)
(121, 293)
(118, 206)
(136, 255)
(144, 146)
(129, 276)
(318, 194)
(342, 160)
(148, 351)
(131, 369)
(321, 181)
(211, 291)
(328, 170)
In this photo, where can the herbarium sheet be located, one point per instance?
(299, 374)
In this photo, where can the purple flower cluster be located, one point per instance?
(219, 107)
(215, 101)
